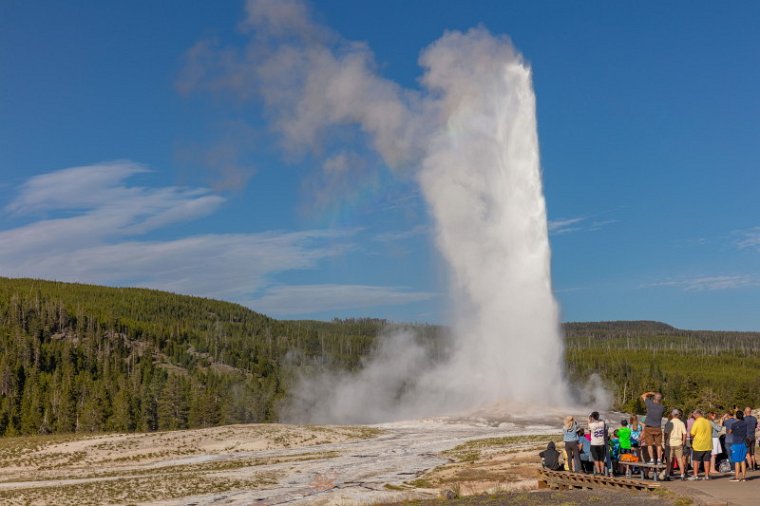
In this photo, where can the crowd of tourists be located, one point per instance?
(709, 443)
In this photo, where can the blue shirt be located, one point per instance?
(571, 435)
(585, 448)
(728, 424)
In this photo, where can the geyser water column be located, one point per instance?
(481, 177)
(469, 133)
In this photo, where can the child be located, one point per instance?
(585, 451)
(615, 450)
(624, 434)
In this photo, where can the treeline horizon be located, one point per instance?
(87, 358)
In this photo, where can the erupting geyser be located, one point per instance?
(482, 179)
(470, 133)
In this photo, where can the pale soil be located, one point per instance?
(145, 468)
(277, 464)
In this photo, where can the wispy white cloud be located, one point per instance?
(310, 299)
(88, 224)
(563, 226)
(97, 204)
(708, 283)
(98, 238)
(577, 224)
(401, 235)
(85, 187)
(749, 238)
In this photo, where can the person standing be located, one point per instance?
(701, 444)
(751, 422)
(712, 415)
(570, 438)
(727, 421)
(598, 430)
(689, 425)
(675, 432)
(738, 449)
(652, 437)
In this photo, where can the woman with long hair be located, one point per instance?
(570, 437)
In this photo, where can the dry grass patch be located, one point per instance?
(130, 490)
(487, 466)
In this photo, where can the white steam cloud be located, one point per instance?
(470, 136)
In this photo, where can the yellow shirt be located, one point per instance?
(701, 434)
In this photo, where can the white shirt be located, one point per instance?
(598, 433)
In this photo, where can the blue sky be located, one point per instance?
(117, 167)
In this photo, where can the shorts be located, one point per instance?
(675, 452)
(652, 436)
(597, 453)
(750, 446)
(716, 446)
(737, 453)
(701, 456)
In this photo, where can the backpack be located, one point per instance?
(724, 466)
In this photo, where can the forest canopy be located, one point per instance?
(83, 358)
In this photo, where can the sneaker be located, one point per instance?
(683, 477)
(694, 478)
(707, 477)
(735, 479)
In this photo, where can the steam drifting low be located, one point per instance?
(470, 136)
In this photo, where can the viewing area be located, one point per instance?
(565, 480)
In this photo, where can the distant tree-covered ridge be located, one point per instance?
(77, 357)
(86, 358)
(692, 368)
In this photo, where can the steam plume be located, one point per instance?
(470, 136)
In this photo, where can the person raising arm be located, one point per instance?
(652, 436)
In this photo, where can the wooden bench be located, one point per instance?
(568, 480)
(643, 467)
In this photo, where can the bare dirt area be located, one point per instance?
(485, 459)
(559, 497)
